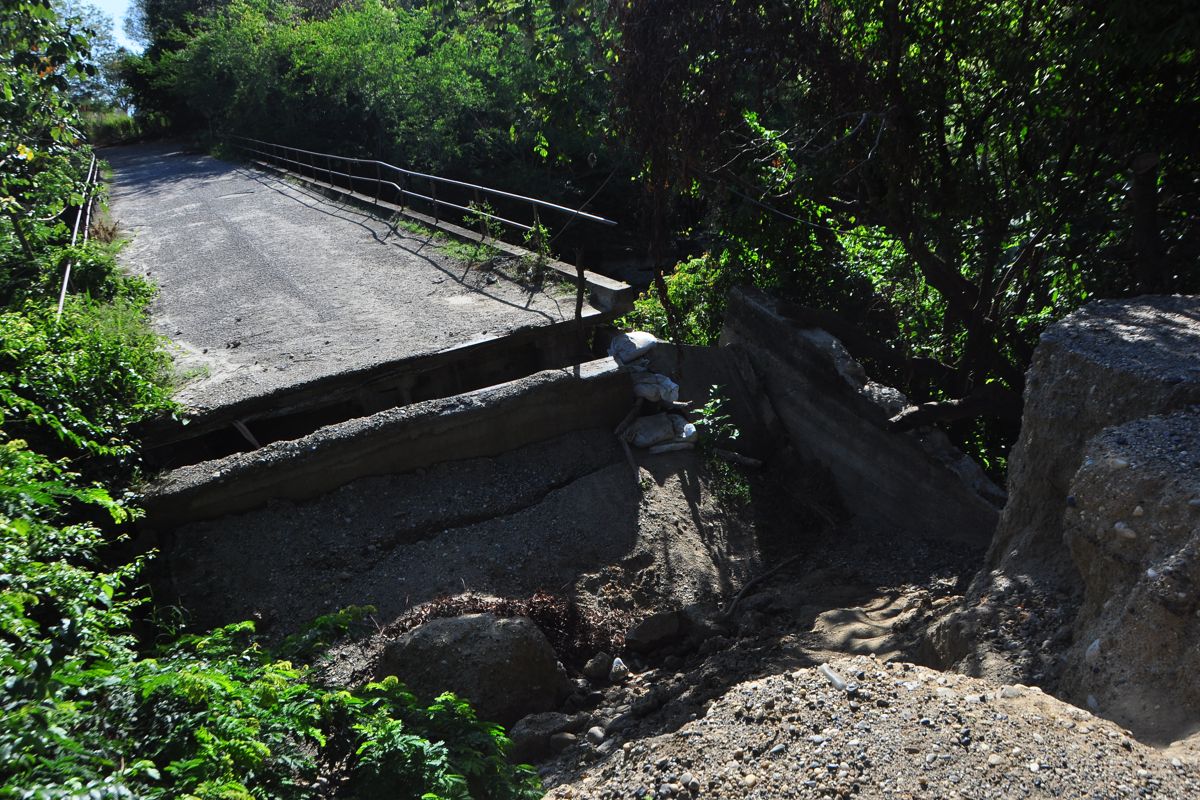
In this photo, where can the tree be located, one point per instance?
(40, 58)
(983, 166)
(102, 89)
(154, 23)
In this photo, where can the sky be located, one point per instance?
(116, 9)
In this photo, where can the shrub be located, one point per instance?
(82, 382)
(208, 716)
(110, 127)
(696, 291)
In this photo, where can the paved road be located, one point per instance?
(264, 284)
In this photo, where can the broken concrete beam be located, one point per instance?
(1108, 363)
(898, 484)
(486, 422)
(1133, 529)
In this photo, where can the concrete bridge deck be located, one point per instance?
(266, 285)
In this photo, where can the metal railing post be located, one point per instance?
(433, 194)
(378, 183)
(84, 214)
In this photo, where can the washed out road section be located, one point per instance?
(264, 284)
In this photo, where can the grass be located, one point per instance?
(110, 127)
(470, 252)
(182, 377)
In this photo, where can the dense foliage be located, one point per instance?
(88, 708)
(946, 176)
(440, 86)
(85, 712)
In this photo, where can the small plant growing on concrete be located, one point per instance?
(714, 423)
(537, 239)
(716, 427)
(482, 217)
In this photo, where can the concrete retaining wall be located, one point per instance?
(896, 484)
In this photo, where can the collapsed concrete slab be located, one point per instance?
(892, 484)
(1106, 364)
(264, 285)
(476, 424)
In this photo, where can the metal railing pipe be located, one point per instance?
(545, 204)
(84, 213)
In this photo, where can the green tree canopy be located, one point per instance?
(982, 165)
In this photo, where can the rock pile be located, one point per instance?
(892, 730)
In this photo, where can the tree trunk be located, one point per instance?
(1151, 277)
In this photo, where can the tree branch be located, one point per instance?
(992, 400)
(20, 231)
(862, 345)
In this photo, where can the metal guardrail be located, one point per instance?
(83, 214)
(402, 183)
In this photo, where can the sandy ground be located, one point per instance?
(263, 284)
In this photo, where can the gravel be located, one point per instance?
(895, 730)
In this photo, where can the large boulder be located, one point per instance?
(505, 667)
(1133, 529)
(654, 631)
(1106, 364)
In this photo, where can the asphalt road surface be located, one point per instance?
(264, 284)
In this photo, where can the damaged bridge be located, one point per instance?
(376, 415)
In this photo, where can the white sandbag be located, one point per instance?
(626, 347)
(649, 431)
(655, 388)
(670, 447)
(684, 430)
(659, 428)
